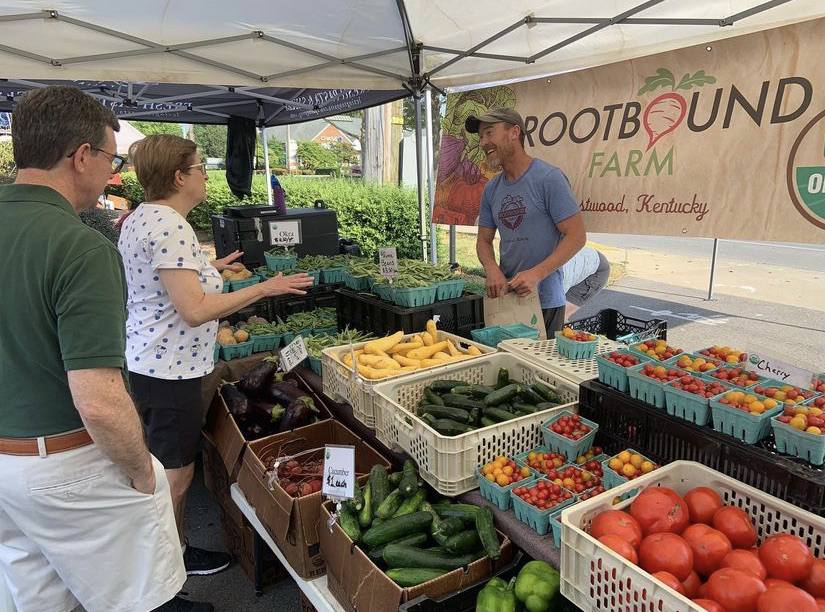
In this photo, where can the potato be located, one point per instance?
(225, 336)
(241, 335)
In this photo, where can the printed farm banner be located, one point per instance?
(722, 140)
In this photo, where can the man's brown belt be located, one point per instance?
(45, 445)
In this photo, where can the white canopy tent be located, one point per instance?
(246, 46)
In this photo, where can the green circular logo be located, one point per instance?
(806, 171)
(753, 359)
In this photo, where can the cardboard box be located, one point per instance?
(217, 479)
(306, 606)
(359, 585)
(259, 563)
(293, 522)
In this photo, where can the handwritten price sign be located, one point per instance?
(293, 354)
(388, 261)
(284, 233)
(339, 471)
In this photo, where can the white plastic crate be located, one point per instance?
(595, 578)
(340, 383)
(544, 354)
(448, 463)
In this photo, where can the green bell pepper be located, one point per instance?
(537, 584)
(496, 596)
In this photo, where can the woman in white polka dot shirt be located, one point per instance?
(174, 300)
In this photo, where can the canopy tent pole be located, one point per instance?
(419, 161)
(266, 167)
(428, 118)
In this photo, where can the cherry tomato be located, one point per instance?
(702, 503)
(735, 590)
(666, 552)
(782, 597)
(660, 509)
(735, 524)
(745, 560)
(617, 522)
(786, 557)
(709, 547)
(620, 546)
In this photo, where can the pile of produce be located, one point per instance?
(300, 474)
(393, 355)
(410, 538)
(264, 401)
(535, 588)
(709, 552)
(454, 407)
(227, 335)
(229, 275)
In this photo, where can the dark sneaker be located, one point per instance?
(200, 562)
(178, 604)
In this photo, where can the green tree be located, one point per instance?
(345, 153)
(313, 156)
(150, 128)
(277, 154)
(211, 140)
(7, 166)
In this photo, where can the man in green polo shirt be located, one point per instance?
(85, 510)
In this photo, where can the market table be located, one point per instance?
(316, 590)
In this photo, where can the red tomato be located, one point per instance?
(786, 557)
(821, 604)
(692, 585)
(735, 590)
(620, 546)
(617, 522)
(814, 583)
(709, 547)
(709, 605)
(745, 560)
(659, 509)
(671, 581)
(666, 552)
(735, 524)
(769, 582)
(781, 597)
(702, 593)
(702, 503)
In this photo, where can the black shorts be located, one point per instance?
(171, 411)
(553, 320)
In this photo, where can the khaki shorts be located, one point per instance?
(73, 530)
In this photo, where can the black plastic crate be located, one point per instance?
(613, 324)
(319, 296)
(628, 423)
(366, 312)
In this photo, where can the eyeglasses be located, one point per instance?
(201, 166)
(117, 160)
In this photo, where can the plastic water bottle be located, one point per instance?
(278, 196)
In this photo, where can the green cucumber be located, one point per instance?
(474, 391)
(487, 532)
(487, 421)
(461, 401)
(445, 412)
(365, 516)
(462, 543)
(447, 528)
(409, 481)
(412, 504)
(449, 427)
(357, 499)
(548, 394)
(503, 378)
(349, 523)
(529, 396)
(432, 397)
(379, 485)
(466, 512)
(398, 555)
(545, 406)
(498, 415)
(430, 509)
(389, 505)
(394, 528)
(505, 394)
(444, 386)
(395, 478)
(413, 576)
(526, 408)
(417, 539)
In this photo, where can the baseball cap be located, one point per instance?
(494, 115)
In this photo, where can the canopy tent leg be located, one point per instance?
(712, 268)
(266, 168)
(420, 165)
(452, 245)
(428, 118)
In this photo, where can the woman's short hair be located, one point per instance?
(156, 158)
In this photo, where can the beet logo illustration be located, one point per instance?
(665, 113)
(512, 212)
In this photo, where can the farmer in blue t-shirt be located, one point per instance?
(531, 205)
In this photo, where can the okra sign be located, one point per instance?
(718, 140)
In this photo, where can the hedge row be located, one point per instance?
(372, 215)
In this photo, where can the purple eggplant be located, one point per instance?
(254, 382)
(283, 392)
(299, 412)
(265, 414)
(237, 403)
